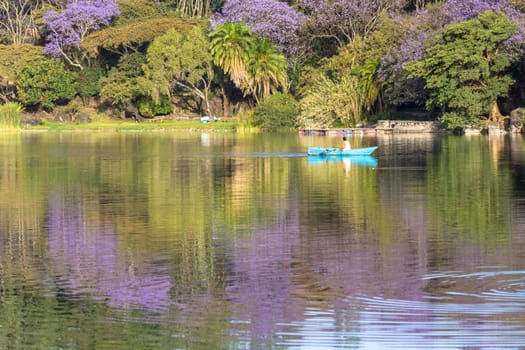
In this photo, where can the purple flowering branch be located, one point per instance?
(420, 30)
(343, 20)
(274, 20)
(68, 28)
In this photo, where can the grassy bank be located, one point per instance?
(102, 123)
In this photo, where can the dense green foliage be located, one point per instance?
(344, 62)
(46, 82)
(124, 83)
(150, 108)
(180, 61)
(89, 82)
(267, 69)
(253, 63)
(15, 58)
(134, 36)
(276, 112)
(466, 72)
(231, 45)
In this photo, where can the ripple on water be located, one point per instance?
(480, 310)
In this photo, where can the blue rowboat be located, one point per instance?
(319, 151)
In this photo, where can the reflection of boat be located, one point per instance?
(347, 161)
(319, 151)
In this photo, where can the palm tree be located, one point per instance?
(369, 88)
(231, 45)
(267, 69)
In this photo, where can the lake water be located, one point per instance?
(232, 241)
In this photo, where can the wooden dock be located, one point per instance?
(382, 127)
(337, 131)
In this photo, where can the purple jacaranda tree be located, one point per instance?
(421, 30)
(340, 21)
(464, 10)
(271, 19)
(68, 28)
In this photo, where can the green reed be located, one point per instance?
(10, 116)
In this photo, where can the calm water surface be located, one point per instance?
(228, 241)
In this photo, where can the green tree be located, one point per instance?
(133, 11)
(231, 45)
(267, 69)
(89, 82)
(467, 71)
(181, 61)
(253, 64)
(125, 83)
(132, 37)
(12, 60)
(45, 82)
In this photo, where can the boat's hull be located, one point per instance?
(319, 151)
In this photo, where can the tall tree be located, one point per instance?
(416, 32)
(67, 29)
(267, 69)
(125, 83)
(252, 62)
(181, 60)
(334, 23)
(271, 19)
(230, 47)
(466, 72)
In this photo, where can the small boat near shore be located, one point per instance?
(320, 151)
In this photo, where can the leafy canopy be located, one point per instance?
(45, 82)
(466, 72)
(15, 58)
(231, 45)
(276, 112)
(275, 20)
(267, 69)
(252, 62)
(133, 37)
(125, 82)
(181, 60)
(419, 30)
(68, 28)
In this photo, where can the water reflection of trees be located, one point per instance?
(223, 232)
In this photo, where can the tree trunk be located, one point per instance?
(495, 114)
(225, 101)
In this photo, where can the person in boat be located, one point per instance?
(346, 144)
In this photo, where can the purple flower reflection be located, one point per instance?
(86, 259)
(262, 278)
